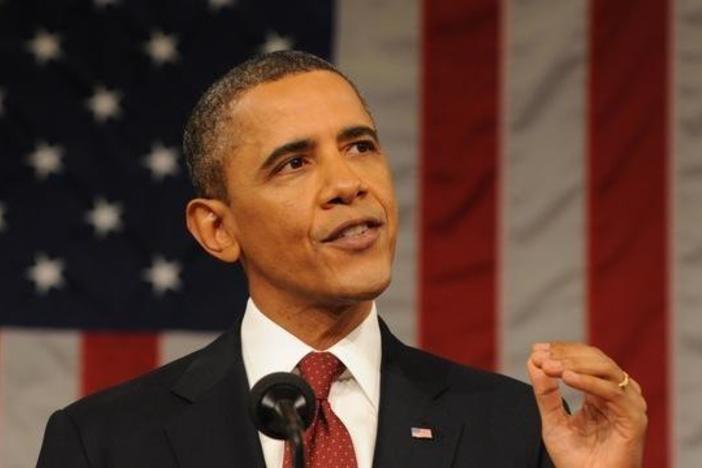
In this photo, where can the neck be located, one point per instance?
(318, 325)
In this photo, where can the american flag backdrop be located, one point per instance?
(547, 159)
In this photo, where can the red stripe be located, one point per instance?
(109, 358)
(628, 217)
(461, 55)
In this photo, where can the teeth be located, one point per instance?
(356, 230)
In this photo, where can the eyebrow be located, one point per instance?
(305, 144)
(350, 133)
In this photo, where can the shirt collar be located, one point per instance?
(360, 350)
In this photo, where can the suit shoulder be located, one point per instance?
(126, 422)
(461, 377)
(150, 391)
(508, 404)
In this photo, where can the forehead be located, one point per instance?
(299, 105)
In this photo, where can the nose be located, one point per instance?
(342, 185)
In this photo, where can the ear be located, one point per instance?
(212, 225)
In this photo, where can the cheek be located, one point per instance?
(273, 229)
(384, 188)
(385, 191)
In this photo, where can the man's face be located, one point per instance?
(311, 195)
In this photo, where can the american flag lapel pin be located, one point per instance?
(422, 433)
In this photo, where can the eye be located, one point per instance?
(292, 164)
(364, 146)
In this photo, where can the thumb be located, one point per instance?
(548, 397)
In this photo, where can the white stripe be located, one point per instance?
(39, 373)
(543, 250)
(377, 46)
(176, 344)
(687, 289)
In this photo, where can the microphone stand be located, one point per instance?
(281, 406)
(295, 432)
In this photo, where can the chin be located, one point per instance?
(364, 289)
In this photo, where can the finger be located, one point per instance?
(539, 356)
(548, 396)
(565, 350)
(584, 359)
(580, 358)
(587, 364)
(568, 349)
(551, 367)
(627, 403)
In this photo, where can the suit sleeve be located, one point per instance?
(62, 446)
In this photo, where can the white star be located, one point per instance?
(162, 48)
(161, 161)
(45, 46)
(105, 217)
(216, 5)
(275, 42)
(104, 104)
(46, 273)
(3, 223)
(163, 275)
(46, 160)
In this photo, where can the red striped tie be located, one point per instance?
(327, 441)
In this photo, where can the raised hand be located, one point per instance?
(608, 431)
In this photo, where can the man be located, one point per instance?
(293, 183)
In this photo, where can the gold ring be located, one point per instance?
(624, 382)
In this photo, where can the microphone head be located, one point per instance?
(266, 395)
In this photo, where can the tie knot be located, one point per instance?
(320, 370)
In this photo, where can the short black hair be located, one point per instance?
(203, 139)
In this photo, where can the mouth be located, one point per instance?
(356, 234)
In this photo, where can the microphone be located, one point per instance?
(282, 406)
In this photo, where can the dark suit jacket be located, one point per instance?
(192, 413)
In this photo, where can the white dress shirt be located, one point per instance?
(354, 397)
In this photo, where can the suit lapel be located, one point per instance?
(215, 430)
(411, 396)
